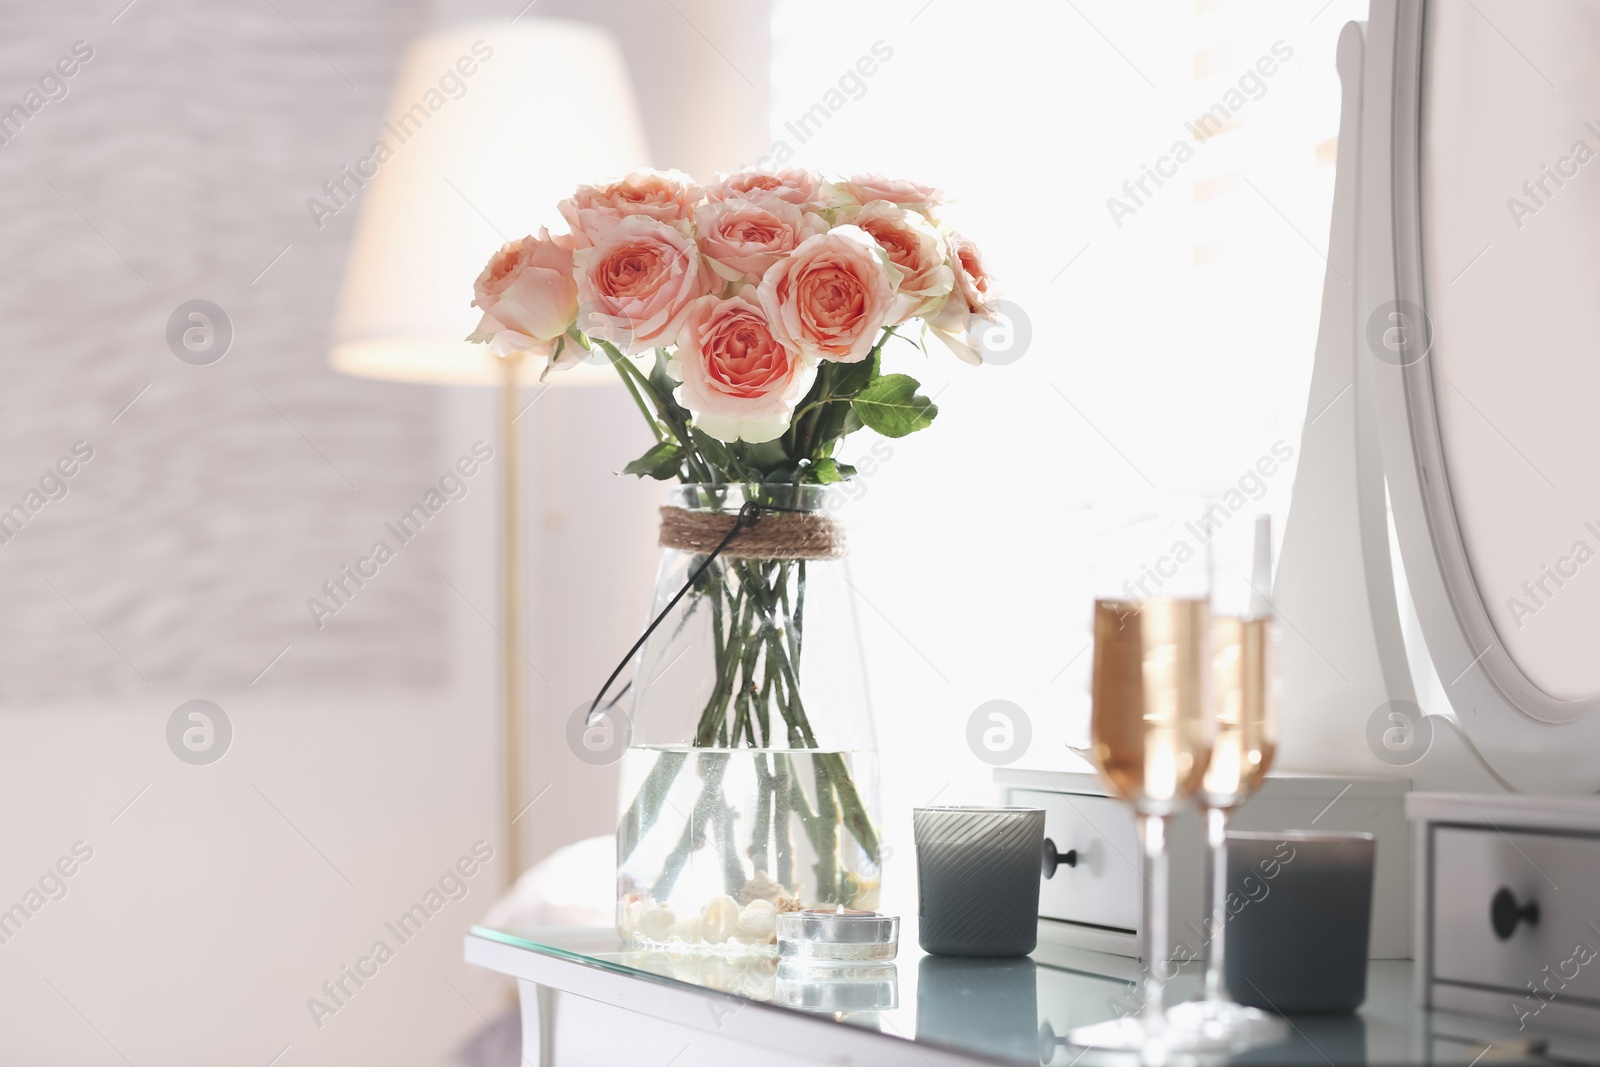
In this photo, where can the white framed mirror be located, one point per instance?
(1476, 318)
(1444, 543)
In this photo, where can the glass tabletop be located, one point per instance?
(1015, 1010)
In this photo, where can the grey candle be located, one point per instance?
(1300, 911)
(978, 879)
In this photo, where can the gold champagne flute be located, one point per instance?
(1245, 708)
(1151, 730)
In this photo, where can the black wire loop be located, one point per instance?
(749, 514)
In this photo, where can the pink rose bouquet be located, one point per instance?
(749, 320)
(766, 299)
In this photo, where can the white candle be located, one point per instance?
(843, 935)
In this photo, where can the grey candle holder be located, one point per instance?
(978, 879)
(1300, 911)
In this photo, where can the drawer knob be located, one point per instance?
(1050, 859)
(1505, 913)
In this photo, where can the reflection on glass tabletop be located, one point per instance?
(1018, 1010)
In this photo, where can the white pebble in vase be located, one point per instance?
(657, 922)
(719, 920)
(758, 922)
(688, 929)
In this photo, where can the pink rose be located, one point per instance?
(829, 298)
(791, 185)
(636, 283)
(865, 188)
(664, 195)
(742, 238)
(972, 278)
(974, 297)
(914, 246)
(528, 296)
(741, 383)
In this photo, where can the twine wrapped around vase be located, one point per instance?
(778, 534)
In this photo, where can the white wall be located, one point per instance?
(366, 761)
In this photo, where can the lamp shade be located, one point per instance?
(489, 127)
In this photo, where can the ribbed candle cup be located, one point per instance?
(978, 880)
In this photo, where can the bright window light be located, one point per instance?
(1151, 183)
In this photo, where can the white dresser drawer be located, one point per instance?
(1557, 873)
(1099, 904)
(1542, 975)
(1103, 888)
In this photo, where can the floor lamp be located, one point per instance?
(489, 126)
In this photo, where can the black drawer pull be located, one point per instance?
(1050, 859)
(1505, 913)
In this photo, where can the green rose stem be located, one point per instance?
(733, 878)
(808, 418)
(782, 807)
(797, 616)
(747, 690)
(827, 865)
(719, 647)
(838, 773)
(823, 827)
(638, 398)
(646, 806)
(761, 832)
(800, 805)
(667, 411)
(763, 710)
(713, 717)
(755, 646)
(779, 666)
(757, 631)
(712, 766)
(854, 812)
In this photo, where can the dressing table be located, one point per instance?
(1445, 467)
(587, 1001)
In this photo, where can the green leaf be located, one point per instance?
(766, 457)
(823, 470)
(892, 406)
(660, 463)
(715, 452)
(659, 386)
(832, 420)
(824, 414)
(826, 472)
(788, 474)
(850, 378)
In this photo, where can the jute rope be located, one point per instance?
(761, 531)
(776, 535)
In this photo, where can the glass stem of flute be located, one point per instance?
(1153, 834)
(1216, 901)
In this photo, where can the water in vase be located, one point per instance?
(714, 843)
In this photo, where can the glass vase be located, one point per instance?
(750, 786)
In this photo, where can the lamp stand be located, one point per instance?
(511, 602)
